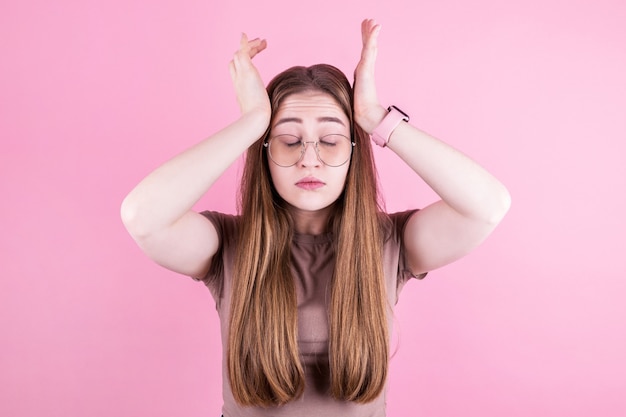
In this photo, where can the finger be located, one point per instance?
(370, 34)
(364, 29)
(243, 49)
(370, 44)
(257, 47)
(363, 25)
(232, 70)
(254, 43)
(252, 47)
(243, 42)
(368, 28)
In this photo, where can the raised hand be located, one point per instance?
(251, 94)
(367, 109)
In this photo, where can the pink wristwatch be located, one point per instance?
(383, 131)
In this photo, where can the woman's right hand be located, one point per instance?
(158, 213)
(251, 94)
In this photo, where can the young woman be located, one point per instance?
(305, 277)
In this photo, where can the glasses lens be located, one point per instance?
(333, 150)
(285, 150)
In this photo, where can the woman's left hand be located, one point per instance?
(368, 112)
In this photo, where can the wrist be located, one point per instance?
(368, 121)
(381, 133)
(255, 122)
(257, 118)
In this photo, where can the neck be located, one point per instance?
(310, 222)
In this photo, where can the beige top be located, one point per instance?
(313, 262)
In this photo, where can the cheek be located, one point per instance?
(278, 176)
(337, 182)
(343, 179)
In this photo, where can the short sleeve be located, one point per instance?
(226, 228)
(399, 221)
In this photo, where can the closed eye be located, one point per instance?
(288, 140)
(332, 140)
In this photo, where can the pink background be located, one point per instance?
(95, 94)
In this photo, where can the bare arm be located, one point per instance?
(158, 211)
(472, 201)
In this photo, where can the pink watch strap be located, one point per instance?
(383, 131)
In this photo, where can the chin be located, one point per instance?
(311, 205)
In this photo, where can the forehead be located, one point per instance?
(309, 105)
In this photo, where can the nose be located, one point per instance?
(309, 156)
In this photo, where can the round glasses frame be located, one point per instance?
(267, 145)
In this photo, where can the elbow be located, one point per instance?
(500, 206)
(131, 218)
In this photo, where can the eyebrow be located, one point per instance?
(325, 119)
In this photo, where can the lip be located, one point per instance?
(310, 183)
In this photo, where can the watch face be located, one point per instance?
(406, 116)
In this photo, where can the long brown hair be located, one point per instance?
(263, 361)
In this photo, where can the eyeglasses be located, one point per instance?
(287, 150)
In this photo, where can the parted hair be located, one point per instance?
(264, 366)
